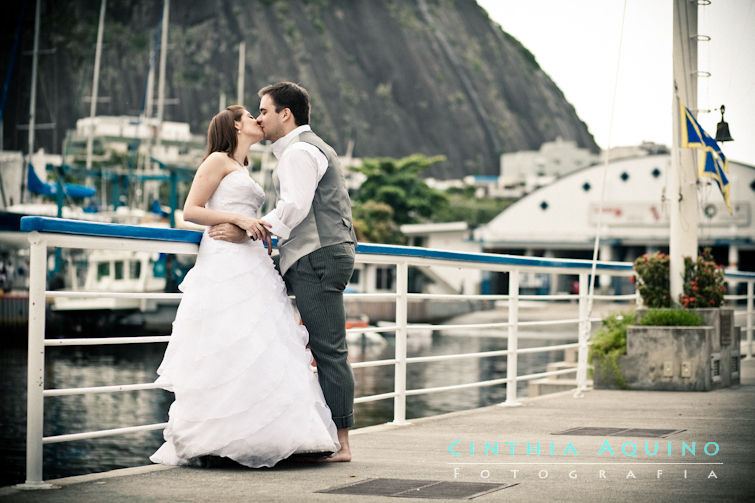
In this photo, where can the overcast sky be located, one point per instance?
(577, 43)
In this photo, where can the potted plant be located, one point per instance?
(652, 279)
(703, 282)
(703, 292)
(665, 349)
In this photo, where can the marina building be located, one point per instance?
(561, 219)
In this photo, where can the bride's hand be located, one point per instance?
(255, 227)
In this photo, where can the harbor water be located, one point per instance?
(80, 366)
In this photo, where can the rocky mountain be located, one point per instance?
(396, 77)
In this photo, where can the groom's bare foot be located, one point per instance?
(343, 455)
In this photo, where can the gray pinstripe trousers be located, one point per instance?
(318, 281)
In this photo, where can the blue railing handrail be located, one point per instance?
(80, 227)
(488, 258)
(102, 229)
(99, 229)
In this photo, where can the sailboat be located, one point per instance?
(104, 271)
(13, 243)
(120, 271)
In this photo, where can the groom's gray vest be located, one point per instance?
(329, 220)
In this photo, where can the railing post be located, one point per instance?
(513, 340)
(584, 333)
(402, 287)
(750, 288)
(36, 363)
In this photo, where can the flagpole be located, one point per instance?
(682, 181)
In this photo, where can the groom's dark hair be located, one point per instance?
(291, 96)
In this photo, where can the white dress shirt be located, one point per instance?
(300, 169)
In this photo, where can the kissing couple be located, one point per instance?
(237, 361)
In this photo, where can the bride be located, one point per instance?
(237, 360)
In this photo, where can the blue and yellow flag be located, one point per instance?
(712, 162)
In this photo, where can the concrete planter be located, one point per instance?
(661, 359)
(677, 358)
(725, 344)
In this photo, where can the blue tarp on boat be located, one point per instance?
(51, 189)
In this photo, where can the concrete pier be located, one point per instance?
(705, 452)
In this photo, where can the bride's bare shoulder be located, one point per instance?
(216, 161)
(217, 158)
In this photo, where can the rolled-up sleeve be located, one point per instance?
(299, 172)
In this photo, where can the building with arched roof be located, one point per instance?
(561, 219)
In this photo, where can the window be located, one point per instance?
(384, 278)
(355, 276)
(103, 270)
(119, 269)
(134, 269)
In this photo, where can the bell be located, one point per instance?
(722, 128)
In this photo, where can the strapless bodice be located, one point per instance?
(238, 193)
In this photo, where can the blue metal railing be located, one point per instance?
(46, 233)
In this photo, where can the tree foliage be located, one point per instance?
(373, 222)
(396, 183)
(464, 205)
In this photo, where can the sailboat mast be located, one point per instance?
(95, 89)
(163, 61)
(146, 118)
(148, 103)
(151, 188)
(240, 83)
(33, 100)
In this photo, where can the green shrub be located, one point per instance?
(652, 277)
(610, 342)
(703, 282)
(671, 318)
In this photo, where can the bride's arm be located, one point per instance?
(206, 180)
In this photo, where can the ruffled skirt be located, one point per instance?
(238, 365)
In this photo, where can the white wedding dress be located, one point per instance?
(236, 360)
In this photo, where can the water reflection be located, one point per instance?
(69, 367)
(375, 380)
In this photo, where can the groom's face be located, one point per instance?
(269, 119)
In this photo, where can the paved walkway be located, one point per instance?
(718, 425)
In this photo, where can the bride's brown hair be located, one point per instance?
(222, 135)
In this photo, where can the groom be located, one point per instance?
(312, 219)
